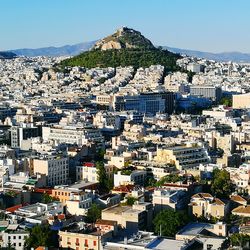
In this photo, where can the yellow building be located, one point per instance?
(204, 204)
(183, 156)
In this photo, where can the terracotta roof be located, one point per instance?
(13, 209)
(218, 201)
(237, 198)
(105, 222)
(202, 196)
(43, 190)
(242, 210)
(124, 188)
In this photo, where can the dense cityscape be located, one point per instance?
(124, 157)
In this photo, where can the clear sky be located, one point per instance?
(207, 25)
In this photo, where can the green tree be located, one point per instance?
(227, 101)
(93, 213)
(41, 235)
(104, 182)
(150, 182)
(130, 200)
(136, 57)
(172, 178)
(46, 198)
(239, 239)
(221, 185)
(168, 222)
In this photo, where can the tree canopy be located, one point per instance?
(239, 239)
(172, 178)
(41, 235)
(168, 222)
(94, 213)
(124, 57)
(105, 183)
(221, 185)
(46, 198)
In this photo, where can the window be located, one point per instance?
(94, 243)
(209, 246)
(86, 243)
(20, 244)
(19, 237)
(77, 241)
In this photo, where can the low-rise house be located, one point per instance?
(204, 204)
(243, 211)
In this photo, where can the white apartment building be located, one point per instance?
(87, 172)
(14, 237)
(56, 168)
(107, 121)
(79, 203)
(134, 177)
(72, 135)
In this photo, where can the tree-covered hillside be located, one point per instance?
(124, 57)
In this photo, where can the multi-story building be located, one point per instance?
(14, 236)
(129, 177)
(241, 101)
(169, 199)
(73, 135)
(145, 102)
(20, 133)
(211, 92)
(137, 217)
(184, 156)
(108, 123)
(55, 167)
(80, 236)
(87, 172)
(79, 203)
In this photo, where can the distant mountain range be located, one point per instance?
(67, 50)
(7, 55)
(223, 56)
(72, 50)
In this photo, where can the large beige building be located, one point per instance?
(241, 101)
(183, 156)
(139, 216)
(55, 167)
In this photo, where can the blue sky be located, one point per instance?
(207, 25)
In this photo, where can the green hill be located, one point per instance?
(126, 47)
